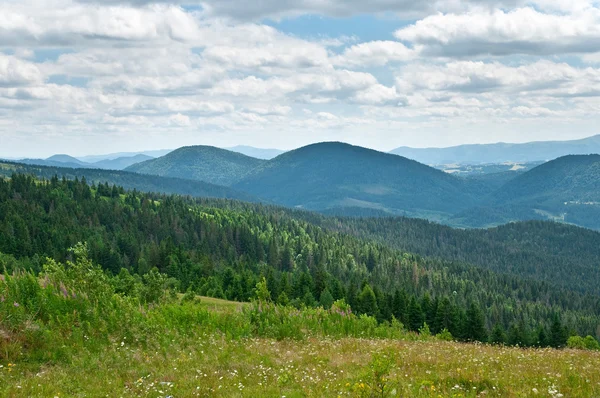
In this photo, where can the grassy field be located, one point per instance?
(67, 333)
(209, 364)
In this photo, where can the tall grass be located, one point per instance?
(75, 306)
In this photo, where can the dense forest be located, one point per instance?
(222, 248)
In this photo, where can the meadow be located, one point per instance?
(68, 333)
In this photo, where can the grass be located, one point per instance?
(67, 334)
(211, 365)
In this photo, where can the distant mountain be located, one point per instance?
(65, 159)
(501, 152)
(565, 189)
(127, 180)
(259, 153)
(121, 163)
(112, 156)
(54, 163)
(202, 163)
(333, 175)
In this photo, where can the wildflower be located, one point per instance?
(16, 304)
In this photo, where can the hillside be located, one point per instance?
(53, 163)
(128, 180)
(61, 158)
(121, 163)
(561, 254)
(108, 156)
(336, 175)
(201, 163)
(566, 189)
(225, 251)
(501, 152)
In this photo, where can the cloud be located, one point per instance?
(76, 25)
(16, 73)
(481, 77)
(180, 120)
(374, 53)
(498, 33)
(244, 10)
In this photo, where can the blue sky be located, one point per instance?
(90, 76)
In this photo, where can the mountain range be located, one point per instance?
(118, 163)
(501, 152)
(345, 180)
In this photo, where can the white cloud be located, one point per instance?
(15, 72)
(76, 25)
(374, 53)
(520, 31)
(480, 77)
(245, 10)
(180, 120)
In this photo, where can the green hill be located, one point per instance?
(336, 175)
(202, 163)
(222, 249)
(128, 180)
(566, 189)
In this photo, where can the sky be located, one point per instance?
(98, 76)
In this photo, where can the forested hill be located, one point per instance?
(222, 248)
(562, 254)
(336, 175)
(128, 180)
(201, 163)
(566, 189)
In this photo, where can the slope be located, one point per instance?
(565, 189)
(501, 152)
(202, 163)
(128, 180)
(337, 175)
(62, 158)
(121, 163)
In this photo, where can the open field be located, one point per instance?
(211, 365)
(206, 363)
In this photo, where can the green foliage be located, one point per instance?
(262, 291)
(160, 245)
(380, 366)
(587, 343)
(444, 335)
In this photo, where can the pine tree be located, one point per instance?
(326, 299)
(367, 302)
(415, 315)
(498, 336)
(475, 327)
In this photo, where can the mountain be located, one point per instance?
(128, 180)
(202, 163)
(337, 175)
(65, 159)
(501, 152)
(259, 153)
(111, 156)
(62, 162)
(565, 189)
(121, 163)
